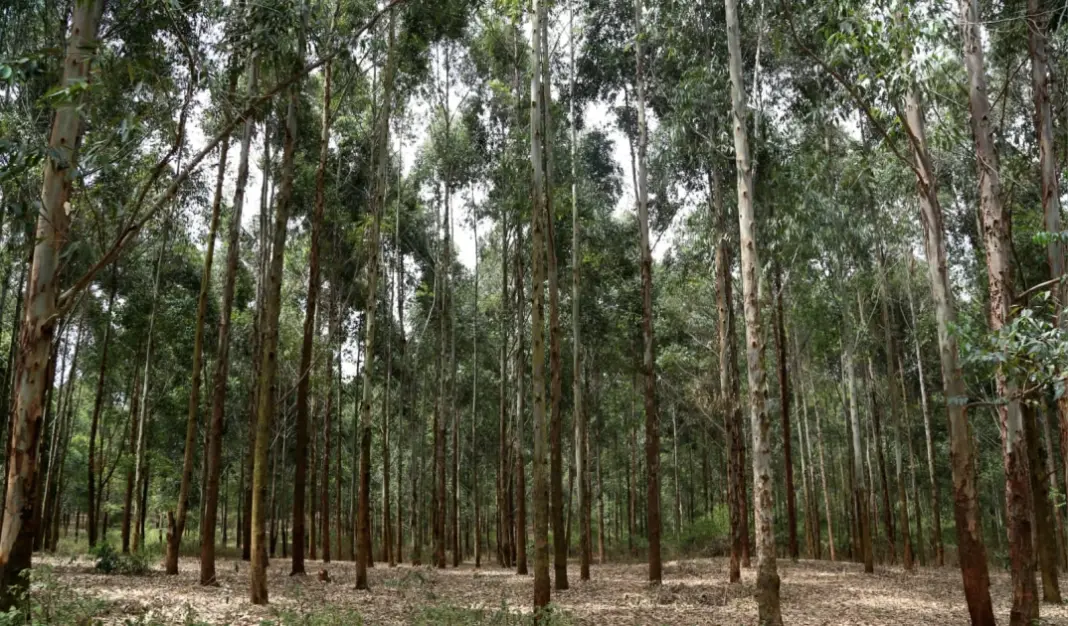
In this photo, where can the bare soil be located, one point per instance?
(695, 591)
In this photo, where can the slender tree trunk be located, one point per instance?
(861, 496)
(728, 379)
(176, 523)
(263, 254)
(127, 505)
(936, 499)
(896, 413)
(763, 497)
(140, 469)
(784, 407)
(363, 514)
(222, 356)
(996, 225)
(652, 415)
(971, 550)
(504, 513)
(1051, 471)
(474, 408)
(600, 513)
(579, 411)
(98, 403)
(300, 480)
(268, 357)
(39, 319)
(387, 543)
(539, 218)
(520, 495)
(328, 413)
(1037, 25)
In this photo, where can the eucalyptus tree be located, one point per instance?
(269, 350)
(763, 498)
(996, 224)
(539, 215)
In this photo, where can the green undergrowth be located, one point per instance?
(47, 601)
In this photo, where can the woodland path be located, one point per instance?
(694, 592)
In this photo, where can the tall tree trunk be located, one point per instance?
(784, 406)
(895, 410)
(268, 356)
(504, 512)
(1037, 25)
(520, 495)
(971, 550)
(39, 319)
(328, 413)
(579, 411)
(387, 526)
(728, 379)
(996, 224)
(936, 499)
(140, 469)
(263, 253)
(127, 503)
(176, 523)
(763, 497)
(381, 160)
(652, 411)
(300, 480)
(556, 489)
(861, 495)
(405, 380)
(539, 218)
(823, 483)
(98, 403)
(474, 407)
(222, 356)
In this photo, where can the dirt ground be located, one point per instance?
(694, 592)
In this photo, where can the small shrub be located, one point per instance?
(707, 536)
(109, 561)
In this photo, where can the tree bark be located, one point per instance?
(98, 403)
(176, 523)
(652, 411)
(763, 497)
(1045, 540)
(936, 499)
(539, 217)
(971, 550)
(995, 226)
(222, 356)
(1037, 25)
(268, 357)
(381, 160)
(579, 411)
(300, 479)
(784, 407)
(328, 413)
(728, 379)
(39, 320)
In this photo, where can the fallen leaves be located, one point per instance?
(695, 591)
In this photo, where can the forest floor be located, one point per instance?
(695, 591)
